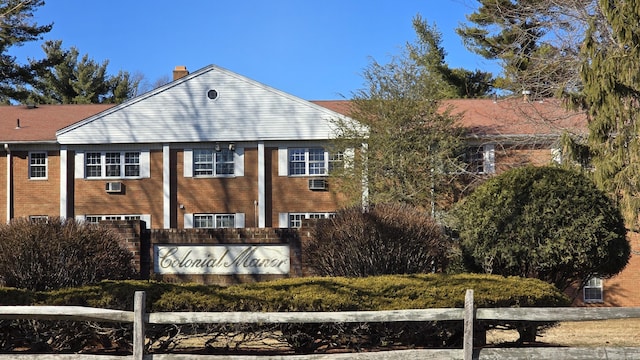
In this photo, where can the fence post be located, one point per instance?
(139, 313)
(467, 345)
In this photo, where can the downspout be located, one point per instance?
(9, 176)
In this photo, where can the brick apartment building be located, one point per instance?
(215, 149)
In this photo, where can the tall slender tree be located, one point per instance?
(17, 28)
(428, 53)
(611, 77)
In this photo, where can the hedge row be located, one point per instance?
(299, 294)
(306, 294)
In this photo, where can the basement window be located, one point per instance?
(593, 291)
(214, 221)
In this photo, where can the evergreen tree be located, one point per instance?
(90, 85)
(536, 41)
(123, 87)
(428, 53)
(587, 50)
(84, 81)
(16, 28)
(543, 222)
(611, 76)
(471, 84)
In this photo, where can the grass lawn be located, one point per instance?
(619, 332)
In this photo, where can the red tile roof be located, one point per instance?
(40, 123)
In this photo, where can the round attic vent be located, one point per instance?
(212, 94)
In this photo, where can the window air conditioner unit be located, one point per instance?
(113, 187)
(318, 184)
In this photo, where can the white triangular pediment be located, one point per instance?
(183, 111)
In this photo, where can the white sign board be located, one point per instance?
(221, 259)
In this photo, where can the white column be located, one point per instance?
(365, 178)
(166, 186)
(63, 181)
(9, 176)
(262, 210)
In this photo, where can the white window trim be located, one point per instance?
(238, 164)
(283, 161)
(284, 218)
(556, 155)
(35, 218)
(215, 162)
(600, 287)
(308, 162)
(488, 158)
(239, 220)
(46, 165)
(144, 217)
(80, 165)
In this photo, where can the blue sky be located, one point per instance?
(312, 49)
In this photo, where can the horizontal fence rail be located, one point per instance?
(304, 317)
(71, 313)
(469, 314)
(556, 314)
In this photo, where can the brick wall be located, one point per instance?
(516, 156)
(132, 237)
(218, 194)
(622, 289)
(140, 196)
(140, 242)
(35, 196)
(292, 194)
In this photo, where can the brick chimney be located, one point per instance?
(179, 72)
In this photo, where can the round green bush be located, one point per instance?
(548, 223)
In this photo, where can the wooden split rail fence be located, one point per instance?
(469, 314)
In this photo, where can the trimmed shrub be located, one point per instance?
(385, 239)
(547, 223)
(388, 292)
(59, 253)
